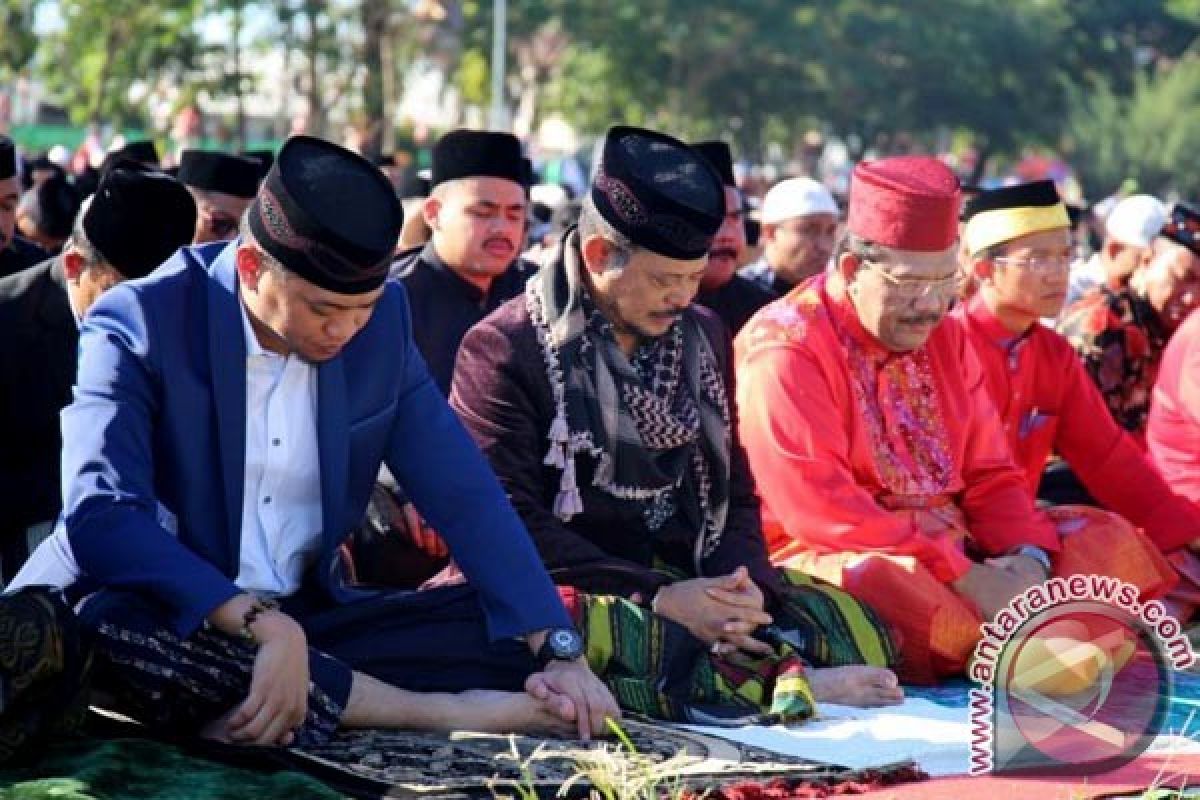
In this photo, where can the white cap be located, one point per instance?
(549, 194)
(59, 155)
(1136, 220)
(796, 197)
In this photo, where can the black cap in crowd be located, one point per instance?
(1183, 226)
(721, 157)
(137, 219)
(478, 154)
(53, 205)
(659, 192)
(328, 215)
(143, 152)
(219, 172)
(265, 159)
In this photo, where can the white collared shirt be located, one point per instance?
(281, 501)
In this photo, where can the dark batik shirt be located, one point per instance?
(20, 254)
(1120, 338)
(503, 396)
(444, 306)
(736, 301)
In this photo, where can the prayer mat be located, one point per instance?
(467, 764)
(932, 729)
(397, 764)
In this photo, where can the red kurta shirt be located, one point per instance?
(848, 442)
(1173, 434)
(1048, 402)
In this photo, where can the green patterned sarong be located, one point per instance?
(655, 667)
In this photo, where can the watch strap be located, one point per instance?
(1037, 554)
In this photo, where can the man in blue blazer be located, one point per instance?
(230, 415)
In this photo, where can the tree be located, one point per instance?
(105, 49)
(17, 43)
(881, 74)
(376, 16)
(1150, 136)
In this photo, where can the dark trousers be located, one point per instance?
(427, 641)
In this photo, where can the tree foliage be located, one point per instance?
(883, 74)
(105, 50)
(1151, 136)
(17, 42)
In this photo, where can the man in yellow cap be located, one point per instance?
(1019, 242)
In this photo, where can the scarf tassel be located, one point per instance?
(559, 432)
(569, 502)
(560, 439)
(556, 456)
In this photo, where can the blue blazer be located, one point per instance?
(159, 416)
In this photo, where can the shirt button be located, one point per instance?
(267, 500)
(275, 442)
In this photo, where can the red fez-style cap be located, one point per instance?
(906, 202)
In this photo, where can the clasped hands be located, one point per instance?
(722, 612)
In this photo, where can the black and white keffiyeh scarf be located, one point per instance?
(658, 424)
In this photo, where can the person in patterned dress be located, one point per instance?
(1120, 333)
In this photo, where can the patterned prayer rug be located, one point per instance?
(468, 764)
(398, 764)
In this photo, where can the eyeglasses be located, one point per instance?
(220, 226)
(1041, 265)
(916, 288)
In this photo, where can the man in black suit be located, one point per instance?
(15, 252)
(732, 297)
(134, 222)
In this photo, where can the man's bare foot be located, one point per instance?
(856, 686)
(504, 712)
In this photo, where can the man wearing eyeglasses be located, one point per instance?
(1020, 246)
(878, 454)
(223, 187)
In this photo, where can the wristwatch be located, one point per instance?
(1037, 554)
(562, 644)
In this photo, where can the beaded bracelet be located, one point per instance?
(260, 606)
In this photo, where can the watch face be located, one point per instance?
(566, 644)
